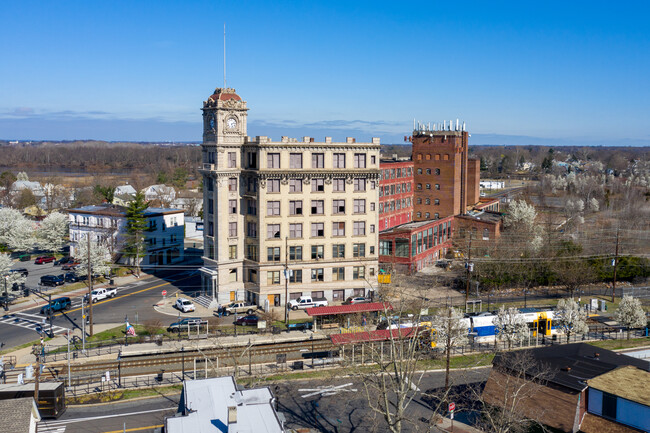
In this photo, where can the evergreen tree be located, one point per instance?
(136, 225)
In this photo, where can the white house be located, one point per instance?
(164, 193)
(106, 224)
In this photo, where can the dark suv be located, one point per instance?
(52, 280)
(22, 271)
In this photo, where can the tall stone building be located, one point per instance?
(446, 181)
(285, 218)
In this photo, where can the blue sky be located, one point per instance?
(547, 72)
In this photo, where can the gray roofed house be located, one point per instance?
(19, 415)
(216, 405)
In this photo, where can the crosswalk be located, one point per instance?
(43, 427)
(34, 322)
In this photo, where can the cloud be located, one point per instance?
(22, 111)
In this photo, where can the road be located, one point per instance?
(334, 405)
(133, 300)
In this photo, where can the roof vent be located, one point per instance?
(596, 355)
(567, 368)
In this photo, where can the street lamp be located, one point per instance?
(119, 369)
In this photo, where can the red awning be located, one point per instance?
(365, 337)
(348, 309)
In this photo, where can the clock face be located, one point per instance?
(231, 123)
(211, 121)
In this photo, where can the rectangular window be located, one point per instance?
(272, 231)
(295, 231)
(273, 254)
(385, 248)
(338, 274)
(272, 160)
(317, 207)
(210, 205)
(252, 207)
(317, 160)
(372, 206)
(338, 251)
(317, 275)
(339, 160)
(358, 250)
(317, 252)
(372, 228)
(359, 205)
(359, 184)
(401, 247)
(295, 160)
(251, 252)
(252, 160)
(232, 184)
(338, 207)
(295, 276)
(295, 253)
(232, 229)
(358, 272)
(272, 208)
(273, 185)
(295, 185)
(373, 159)
(232, 206)
(232, 160)
(252, 275)
(317, 230)
(272, 277)
(295, 207)
(358, 228)
(252, 185)
(251, 230)
(359, 160)
(317, 185)
(338, 229)
(338, 185)
(232, 252)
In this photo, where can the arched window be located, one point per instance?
(437, 157)
(427, 201)
(436, 202)
(419, 214)
(428, 171)
(419, 171)
(419, 201)
(428, 186)
(436, 215)
(419, 186)
(419, 157)
(486, 234)
(437, 171)
(438, 186)
(427, 215)
(446, 157)
(428, 156)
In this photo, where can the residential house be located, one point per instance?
(19, 415)
(218, 405)
(160, 194)
(123, 195)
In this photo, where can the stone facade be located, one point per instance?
(302, 206)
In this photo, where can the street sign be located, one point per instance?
(452, 407)
(164, 292)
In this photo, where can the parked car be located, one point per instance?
(356, 300)
(239, 307)
(247, 320)
(71, 277)
(43, 259)
(178, 326)
(22, 271)
(25, 257)
(52, 280)
(63, 260)
(58, 304)
(306, 302)
(69, 266)
(184, 305)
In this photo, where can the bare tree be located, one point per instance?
(450, 332)
(507, 402)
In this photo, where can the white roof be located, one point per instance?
(125, 189)
(206, 408)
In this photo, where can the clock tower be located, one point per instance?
(224, 133)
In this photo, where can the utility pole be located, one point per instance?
(37, 374)
(615, 267)
(90, 288)
(49, 313)
(469, 266)
(448, 348)
(286, 281)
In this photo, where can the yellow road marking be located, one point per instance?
(124, 296)
(135, 429)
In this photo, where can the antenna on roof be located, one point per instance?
(224, 55)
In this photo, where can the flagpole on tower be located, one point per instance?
(224, 55)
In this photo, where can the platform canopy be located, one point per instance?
(336, 310)
(370, 336)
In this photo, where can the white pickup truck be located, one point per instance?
(307, 302)
(100, 294)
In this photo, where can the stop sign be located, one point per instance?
(164, 292)
(452, 406)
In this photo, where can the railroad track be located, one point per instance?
(137, 365)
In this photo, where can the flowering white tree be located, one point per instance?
(51, 234)
(451, 331)
(630, 314)
(10, 278)
(22, 176)
(98, 259)
(570, 318)
(16, 231)
(510, 325)
(520, 213)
